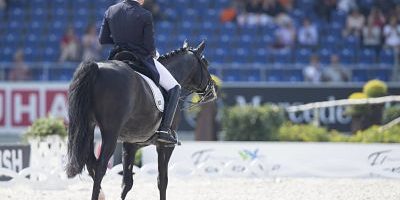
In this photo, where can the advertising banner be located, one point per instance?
(284, 159)
(22, 103)
(14, 158)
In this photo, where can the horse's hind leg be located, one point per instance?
(109, 141)
(164, 154)
(128, 156)
(91, 163)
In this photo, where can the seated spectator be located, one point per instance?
(391, 34)
(230, 13)
(283, 18)
(154, 8)
(354, 23)
(270, 8)
(385, 6)
(19, 70)
(90, 44)
(312, 73)
(69, 46)
(376, 17)
(285, 36)
(3, 4)
(371, 36)
(324, 8)
(347, 5)
(396, 11)
(254, 15)
(308, 34)
(286, 5)
(335, 72)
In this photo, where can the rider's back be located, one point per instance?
(131, 26)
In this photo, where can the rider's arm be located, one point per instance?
(105, 33)
(149, 34)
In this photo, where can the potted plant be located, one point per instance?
(374, 89)
(47, 139)
(357, 113)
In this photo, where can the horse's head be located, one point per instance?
(200, 80)
(190, 68)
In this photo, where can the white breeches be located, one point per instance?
(167, 81)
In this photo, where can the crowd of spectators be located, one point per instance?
(376, 26)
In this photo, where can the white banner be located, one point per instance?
(283, 159)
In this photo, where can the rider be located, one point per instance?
(130, 27)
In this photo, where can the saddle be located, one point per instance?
(137, 65)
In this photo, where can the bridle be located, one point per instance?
(207, 94)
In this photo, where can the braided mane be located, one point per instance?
(173, 53)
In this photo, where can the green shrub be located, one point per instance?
(371, 135)
(303, 133)
(45, 127)
(391, 114)
(357, 110)
(375, 88)
(250, 123)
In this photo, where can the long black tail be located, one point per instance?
(80, 117)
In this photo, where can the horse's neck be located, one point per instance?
(177, 74)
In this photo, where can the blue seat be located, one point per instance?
(351, 42)
(251, 75)
(325, 56)
(360, 75)
(261, 56)
(231, 75)
(50, 54)
(329, 42)
(303, 56)
(293, 75)
(387, 57)
(282, 57)
(367, 56)
(381, 74)
(347, 56)
(227, 29)
(274, 75)
(242, 55)
(222, 56)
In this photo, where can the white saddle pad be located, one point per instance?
(158, 97)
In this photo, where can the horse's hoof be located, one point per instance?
(101, 195)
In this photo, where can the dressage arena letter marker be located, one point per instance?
(25, 105)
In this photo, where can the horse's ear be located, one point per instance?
(200, 48)
(185, 44)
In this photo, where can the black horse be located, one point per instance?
(117, 99)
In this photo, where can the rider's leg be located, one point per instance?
(168, 82)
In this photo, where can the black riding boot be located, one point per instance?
(164, 132)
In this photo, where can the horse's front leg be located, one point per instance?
(128, 156)
(164, 154)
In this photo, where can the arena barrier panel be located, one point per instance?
(274, 159)
(238, 159)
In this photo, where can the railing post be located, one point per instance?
(316, 116)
